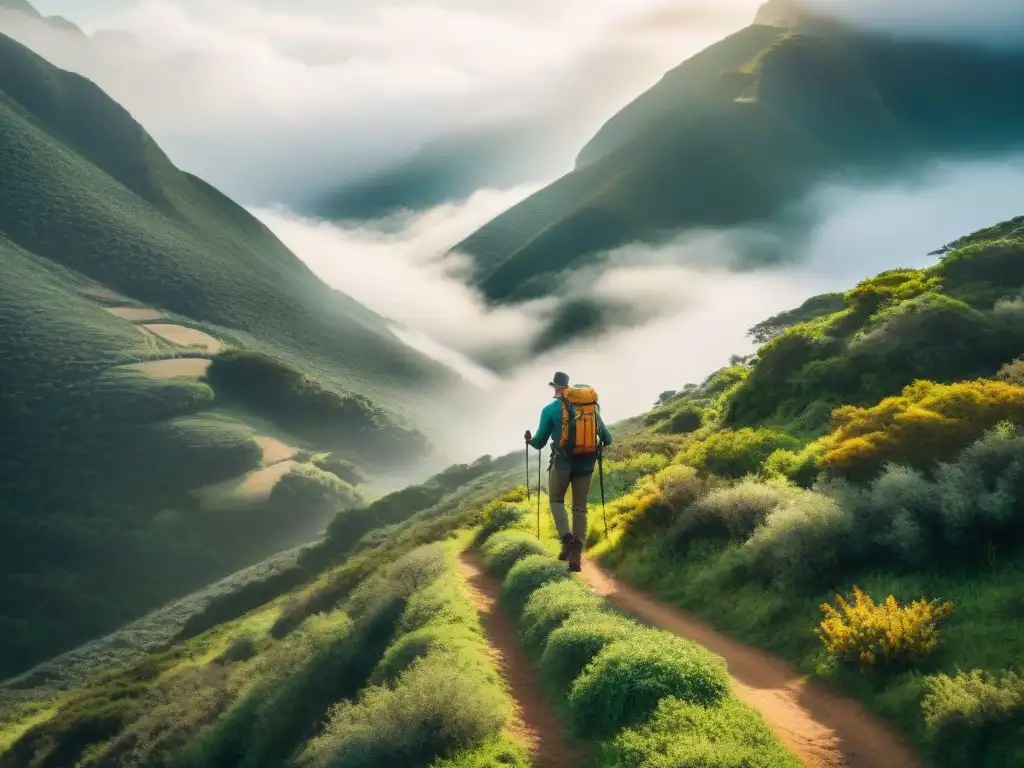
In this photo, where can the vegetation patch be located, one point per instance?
(883, 635)
(628, 679)
(610, 675)
(349, 425)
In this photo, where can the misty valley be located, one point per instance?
(284, 284)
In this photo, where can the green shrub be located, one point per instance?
(972, 507)
(551, 605)
(621, 476)
(975, 718)
(626, 681)
(241, 649)
(801, 542)
(174, 711)
(443, 704)
(656, 502)
(342, 469)
(307, 493)
(290, 687)
(1013, 373)
(310, 409)
(526, 577)
(417, 644)
(954, 706)
(735, 453)
(982, 494)
(441, 603)
(684, 735)
(505, 549)
(498, 517)
(687, 419)
(576, 643)
(393, 585)
(495, 753)
(799, 467)
(903, 516)
(730, 514)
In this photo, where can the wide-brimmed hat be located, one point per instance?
(559, 380)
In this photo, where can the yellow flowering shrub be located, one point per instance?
(657, 500)
(926, 424)
(887, 634)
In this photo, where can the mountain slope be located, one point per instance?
(26, 9)
(743, 130)
(140, 312)
(445, 170)
(20, 6)
(740, 517)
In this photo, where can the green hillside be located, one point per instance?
(758, 519)
(171, 375)
(742, 131)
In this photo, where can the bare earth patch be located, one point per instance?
(274, 451)
(102, 293)
(185, 337)
(183, 367)
(535, 723)
(136, 314)
(823, 729)
(244, 491)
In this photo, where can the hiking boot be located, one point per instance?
(575, 555)
(566, 545)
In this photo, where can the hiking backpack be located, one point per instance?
(581, 434)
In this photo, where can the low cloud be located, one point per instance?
(399, 267)
(692, 307)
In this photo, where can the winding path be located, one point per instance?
(535, 723)
(824, 730)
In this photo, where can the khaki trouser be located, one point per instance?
(560, 479)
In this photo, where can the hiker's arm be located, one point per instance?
(540, 437)
(606, 435)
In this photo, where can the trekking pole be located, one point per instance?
(527, 471)
(538, 494)
(600, 476)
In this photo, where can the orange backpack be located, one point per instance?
(580, 422)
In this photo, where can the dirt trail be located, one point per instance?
(184, 336)
(535, 722)
(822, 729)
(179, 367)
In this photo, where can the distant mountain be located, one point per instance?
(744, 129)
(172, 377)
(59, 22)
(24, 8)
(447, 169)
(20, 6)
(781, 13)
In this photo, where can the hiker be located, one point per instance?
(572, 420)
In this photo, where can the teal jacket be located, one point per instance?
(550, 428)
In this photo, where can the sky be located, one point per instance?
(272, 99)
(268, 99)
